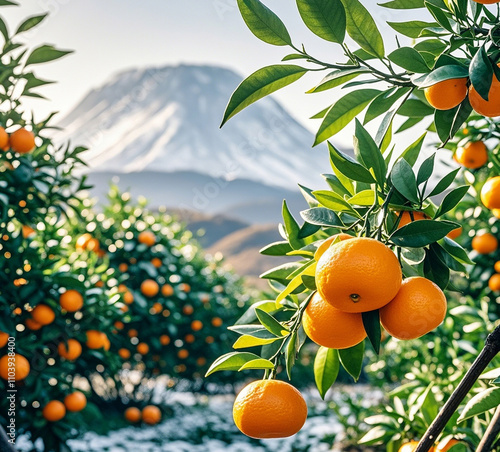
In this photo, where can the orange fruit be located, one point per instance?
(124, 353)
(123, 267)
(43, 314)
(164, 339)
(71, 301)
(187, 309)
(185, 287)
(269, 409)
(189, 338)
(133, 333)
(358, 275)
(494, 282)
(497, 266)
(217, 321)
(142, 348)
(147, 238)
(151, 415)
(490, 107)
(75, 402)
(70, 351)
(81, 242)
(124, 308)
(183, 353)
(95, 339)
(408, 447)
(22, 141)
(407, 217)
(54, 411)
(455, 233)
(447, 94)
(106, 343)
(128, 297)
(484, 243)
(167, 290)
(4, 338)
(119, 325)
(204, 298)
(156, 261)
(418, 308)
(93, 245)
(329, 327)
(326, 244)
(446, 446)
(196, 325)
(201, 361)
(27, 231)
(209, 340)
(32, 325)
(490, 193)
(4, 138)
(487, 2)
(473, 155)
(21, 367)
(133, 414)
(150, 288)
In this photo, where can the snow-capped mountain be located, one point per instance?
(167, 120)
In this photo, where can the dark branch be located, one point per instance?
(491, 433)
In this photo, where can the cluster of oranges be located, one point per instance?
(149, 415)
(56, 410)
(21, 141)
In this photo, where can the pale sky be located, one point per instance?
(111, 35)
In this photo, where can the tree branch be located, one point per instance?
(489, 351)
(491, 433)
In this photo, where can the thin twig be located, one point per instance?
(491, 433)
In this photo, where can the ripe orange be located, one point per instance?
(70, 351)
(183, 353)
(358, 275)
(151, 415)
(71, 301)
(156, 261)
(142, 348)
(408, 447)
(446, 446)
(128, 297)
(187, 309)
(27, 231)
(81, 242)
(133, 414)
(32, 325)
(455, 233)
(124, 353)
(4, 138)
(269, 409)
(167, 290)
(93, 245)
(196, 325)
(4, 338)
(164, 339)
(147, 238)
(490, 107)
(473, 155)
(22, 141)
(119, 325)
(43, 314)
(95, 339)
(54, 411)
(133, 333)
(209, 340)
(408, 217)
(494, 282)
(21, 367)
(106, 342)
(418, 308)
(447, 94)
(484, 243)
(189, 338)
(185, 287)
(497, 266)
(217, 321)
(201, 361)
(123, 267)
(490, 193)
(329, 327)
(326, 244)
(150, 288)
(75, 402)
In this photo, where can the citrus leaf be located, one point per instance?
(44, 54)
(322, 216)
(231, 361)
(422, 233)
(403, 4)
(337, 78)
(408, 58)
(404, 180)
(325, 18)
(260, 363)
(371, 322)
(349, 167)
(352, 359)
(440, 74)
(326, 369)
(247, 341)
(481, 73)
(484, 401)
(270, 323)
(30, 23)
(276, 249)
(368, 153)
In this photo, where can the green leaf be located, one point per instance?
(44, 54)
(403, 4)
(411, 153)
(270, 323)
(326, 369)
(231, 361)
(455, 250)
(383, 102)
(30, 23)
(426, 169)
(4, 30)
(337, 78)
(352, 359)
(404, 181)
(422, 233)
(332, 200)
(349, 167)
(342, 112)
(346, 183)
(325, 18)
(371, 322)
(444, 183)
(448, 122)
(440, 74)
(375, 435)
(276, 249)
(260, 84)
(412, 29)
(414, 108)
(368, 153)
(481, 73)
(282, 271)
(249, 316)
(260, 363)
(484, 401)
(409, 59)
(291, 353)
(435, 269)
(362, 28)
(247, 341)
(257, 331)
(363, 198)
(292, 228)
(263, 23)
(440, 16)
(451, 200)
(336, 185)
(322, 216)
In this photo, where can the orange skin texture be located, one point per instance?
(156, 261)
(497, 266)
(196, 325)
(188, 309)
(21, 366)
(71, 301)
(133, 333)
(75, 402)
(358, 275)
(4, 338)
(484, 243)
(455, 233)
(32, 325)
(70, 351)
(124, 353)
(150, 288)
(123, 267)
(183, 353)
(189, 338)
(27, 231)
(473, 155)
(128, 297)
(164, 339)
(143, 348)
(147, 238)
(22, 141)
(167, 290)
(406, 217)
(329, 327)
(151, 415)
(269, 409)
(54, 411)
(217, 321)
(95, 339)
(490, 193)
(133, 414)
(447, 94)
(490, 107)
(43, 314)
(326, 244)
(4, 138)
(418, 308)
(496, 213)
(494, 282)
(185, 287)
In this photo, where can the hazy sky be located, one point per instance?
(111, 35)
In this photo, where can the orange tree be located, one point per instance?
(363, 260)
